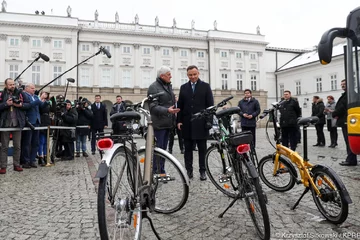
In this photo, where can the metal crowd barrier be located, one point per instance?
(48, 128)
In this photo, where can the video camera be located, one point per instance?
(15, 99)
(59, 105)
(81, 103)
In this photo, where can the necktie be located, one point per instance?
(193, 87)
(98, 105)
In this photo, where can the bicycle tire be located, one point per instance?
(255, 199)
(328, 195)
(129, 215)
(228, 188)
(172, 195)
(285, 173)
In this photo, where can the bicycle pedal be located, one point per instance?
(249, 194)
(224, 179)
(298, 181)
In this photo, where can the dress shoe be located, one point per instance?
(68, 158)
(346, 163)
(33, 165)
(316, 145)
(93, 153)
(190, 175)
(170, 151)
(182, 151)
(77, 154)
(18, 169)
(195, 149)
(2, 170)
(332, 146)
(322, 145)
(26, 165)
(85, 154)
(203, 176)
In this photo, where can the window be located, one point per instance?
(58, 44)
(146, 78)
(126, 78)
(57, 71)
(333, 79)
(146, 51)
(105, 77)
(13, 71)
(224, 81)
(183, 53)
(253, 82)
(252, 56)
(183, 78)
(126, 49)
(84, 77)
(281, 88)
(85, 47)
(166, 52)
(318, 84)
(14, 42)
(35, 75)
(36, 43)
(239, 65)
(223, 54)
(239, 82)
(238, 55)
(201, 54)
(298, 87)
(253, 66)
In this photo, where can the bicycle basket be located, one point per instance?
(240, 138)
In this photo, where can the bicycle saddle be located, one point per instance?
(227, 112)
(125, 116)
(307, 120)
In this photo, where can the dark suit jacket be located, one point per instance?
(99, 116)
(190, 103)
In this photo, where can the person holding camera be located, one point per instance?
(13, 104)
(85, 116)
(30, 141)
(67, 137)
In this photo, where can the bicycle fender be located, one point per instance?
(102, 170)
(173, 159)
(252, 170)
(290, 165)
(347, 198)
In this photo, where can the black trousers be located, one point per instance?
(320, 133)
(93, 138)
(180, 139)
(253, 132)
(201, 144)
(68, 149)
(351, 157)
(289, 135)
(333, 132)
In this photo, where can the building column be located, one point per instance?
(211, 64)
(25, 57)
(232, 77)
(96, 75)
(47, 67)
(3, 46)
(262, 73)
(247, 80)
(157, 57)
(216, 78)
(137, 80)
(193, 56)
(116, 65)
(175, 70)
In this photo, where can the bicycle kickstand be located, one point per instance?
(231, 204)
(302, 195)
(145, 215)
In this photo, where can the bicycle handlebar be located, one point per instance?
(276, 106)
(211, 110)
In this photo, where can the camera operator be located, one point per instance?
(12, 115)
(85, 116)
(69, 118)
(30, 141)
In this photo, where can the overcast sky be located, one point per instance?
(285, 23)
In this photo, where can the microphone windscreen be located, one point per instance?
(71, 80)
(44, 57)
(106, 52)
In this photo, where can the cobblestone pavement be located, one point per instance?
(60, 203)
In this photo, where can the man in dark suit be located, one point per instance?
(99, 121)
(194, 96)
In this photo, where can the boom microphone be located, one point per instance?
(44, 57)
(106, 52)
(70, 80)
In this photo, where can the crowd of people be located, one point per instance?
(171, 115)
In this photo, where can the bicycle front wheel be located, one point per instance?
(331, 201)
(171, 188)
(282, 180)
(119, 216)
(255, 199)
(220, 171)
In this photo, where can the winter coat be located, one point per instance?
(85, 116)
(251, 107)
(318, 111)
(69, 119)
(99, 120)
(116, 108)
(290, 111)
(340, 111)
(160, 116)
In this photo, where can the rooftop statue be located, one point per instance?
(96, 15)
(215, 25)
(68, 10)
(116, 17)
(3, 6)
(136, 19)
(258, 30)
(192, 24)
(156, 21)
(174, 23)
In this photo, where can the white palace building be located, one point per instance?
(229, 61)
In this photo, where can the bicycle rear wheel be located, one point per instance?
(255, 198)
(119, 215)
(220, 171)
(331, 203)
(282, 181)
(171, 188)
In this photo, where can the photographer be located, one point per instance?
(85, 116)
(69, 118)
(30, 141)
(12, 105)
